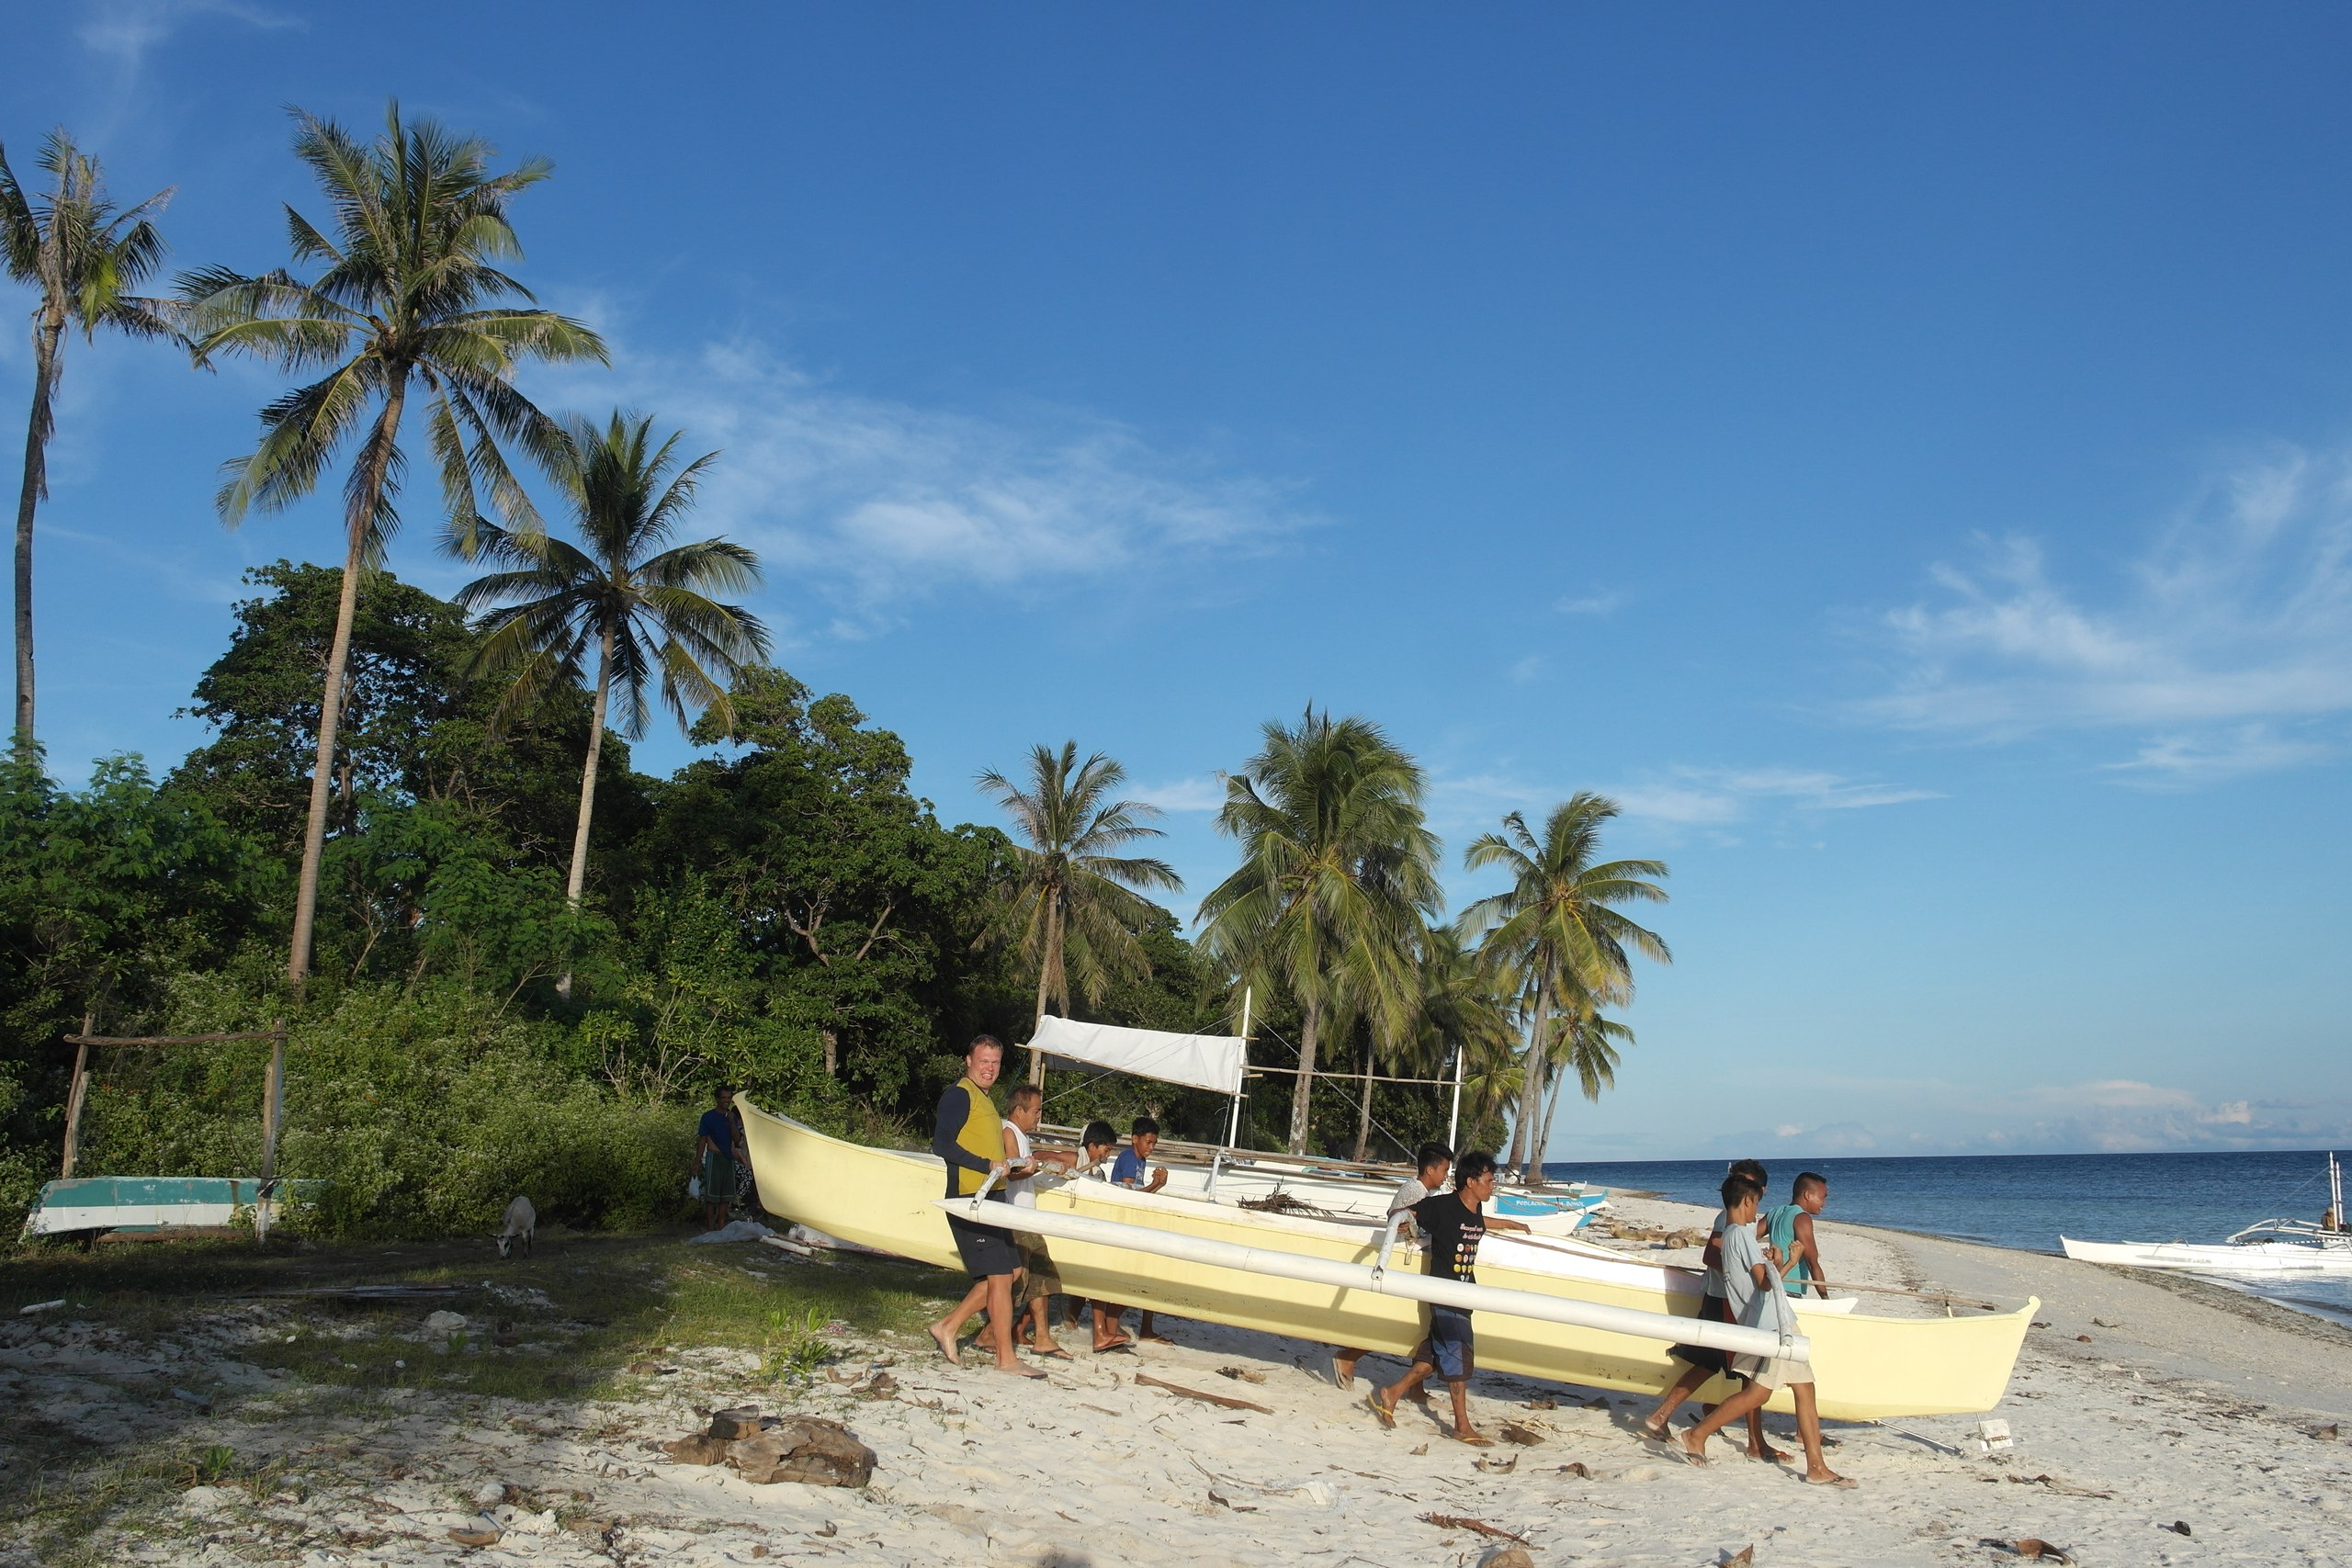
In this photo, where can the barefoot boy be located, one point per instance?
(1433, 1161)
(1452, 1224)
(1039, 1281)
(1752, 1286)
(1700, 1362)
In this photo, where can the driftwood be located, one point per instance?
(1222, 1402)
(1476, 1527)
(1280, 1203)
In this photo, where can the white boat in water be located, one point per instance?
(2273, 1246)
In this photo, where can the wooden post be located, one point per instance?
(273, 1104)
(273, 1112)
(75, 1094)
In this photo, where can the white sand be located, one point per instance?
(2196, 1408)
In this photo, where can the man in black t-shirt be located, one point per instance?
(1452, 1224)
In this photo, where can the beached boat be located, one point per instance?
(2273, 1246)
(145, 1204)
(1867, 1365)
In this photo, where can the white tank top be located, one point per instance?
(1022, 1187)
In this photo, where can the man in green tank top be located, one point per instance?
(1789, 1229)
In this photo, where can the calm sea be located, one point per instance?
(2025, 1201)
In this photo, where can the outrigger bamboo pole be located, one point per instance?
(1674, 1330)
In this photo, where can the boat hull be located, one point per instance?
(1866, 1367)
(135, 1203)
(2251, 1257)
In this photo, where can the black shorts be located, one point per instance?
(985, 1249)
(1711, 1309)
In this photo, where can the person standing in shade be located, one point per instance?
(1134, 1169)
(968, 1133)
(1788, 1233)
(1431, 1163)
(1455, 1223)
(715, 1157)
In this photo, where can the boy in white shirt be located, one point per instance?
(1038, 1282)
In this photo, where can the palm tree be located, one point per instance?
(1461, 1010)
(409, 269)
(1069, 898)
(1588, 1046)
(82, 257)
(645, 610)
(1556, 935)
(1337, 874)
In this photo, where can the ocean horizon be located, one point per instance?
(2027, 1201)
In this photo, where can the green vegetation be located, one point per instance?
(506, 961)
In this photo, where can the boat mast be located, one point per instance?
(1233, 1126)
(1453, 1122)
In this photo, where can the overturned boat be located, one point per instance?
(1866, 1365)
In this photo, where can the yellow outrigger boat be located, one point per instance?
(1866, 1366)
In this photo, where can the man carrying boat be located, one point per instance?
(968, 1134)
(1453, 1224)
(1430, 1165)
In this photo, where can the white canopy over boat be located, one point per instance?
(1200, 1061)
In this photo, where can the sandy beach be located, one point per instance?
(2144, 1406)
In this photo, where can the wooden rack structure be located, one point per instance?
(273, 1100)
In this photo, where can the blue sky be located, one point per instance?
(1904, 456)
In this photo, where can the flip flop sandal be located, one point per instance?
(1473, 1440)
(1385, 1414)
(1845, 1482)
(1128, 1345)
(1056, 1354)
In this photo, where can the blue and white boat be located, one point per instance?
(154, 1204)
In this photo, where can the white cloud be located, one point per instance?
(1692, 796)
(2185, 761)
(879, 503)
(1204, 792)
(2106, 1115)
(2225, 644)
(1589, 604)
(1526, 670)
(127, 30)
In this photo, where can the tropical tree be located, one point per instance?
(1588, 1046)
(1068, 899)
(647, 612)
(83, 257)
(410, 269)
(1556, 935)
(1463, 1017)
(1337, 874)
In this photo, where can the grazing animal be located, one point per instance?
(521, 1221)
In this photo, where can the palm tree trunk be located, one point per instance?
(378, 458)
(1049, 964)
(1531, 1088)
(1303, 1090)
(1363, 1110)
(1543, 1132)
(578, 881)
(36, 485)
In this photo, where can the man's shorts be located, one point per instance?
(1770, 1372)
(985, 1249)
(1449, 1342)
